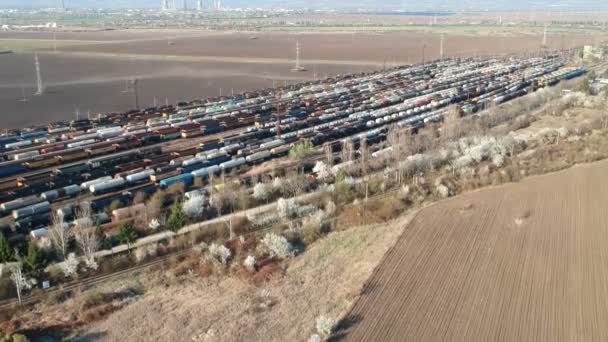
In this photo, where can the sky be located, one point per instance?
(367, 4)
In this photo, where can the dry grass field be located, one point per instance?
(521, 262)
(325, 280)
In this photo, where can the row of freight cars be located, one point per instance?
(420, 105)
(361, 108)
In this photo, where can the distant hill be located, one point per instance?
(479, 5)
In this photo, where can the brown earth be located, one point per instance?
(96, 84)
(89, 75)
(374, 47)
(521, 262)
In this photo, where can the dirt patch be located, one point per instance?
(482, 276)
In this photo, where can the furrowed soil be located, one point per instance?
(521, 262)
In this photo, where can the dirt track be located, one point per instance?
(522, 262)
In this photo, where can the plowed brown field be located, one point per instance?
(522, 262)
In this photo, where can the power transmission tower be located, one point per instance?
(136, 93)
(39, 86)
(298, 67)
(131, 88)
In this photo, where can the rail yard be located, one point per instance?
(112, 158)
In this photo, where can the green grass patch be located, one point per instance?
(18, 45)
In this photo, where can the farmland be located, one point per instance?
(196, 64)
(520, 262)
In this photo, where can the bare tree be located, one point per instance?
(396, 146)
(363, 161)
(84, 232)
(211, 183)
(225, 198)
(348, 150)
(294, 184)
(452, 125)
(154, 206)
(329, 154)
(60, 235)
(19, 279)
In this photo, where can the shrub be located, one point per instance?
(287, 208)
(220, 252)
(7, 288)
(94, 298)
(127, 234)
(194, 207)
(140, 197)
(301, 150)
(34, 260)
(6, 253)
(278, 246)
(322, 170)
(176, 218)
(154, 224)
(19, 338)
(69, 267)
(325, 326)
(314, 338)
(262, 192)
(56, 297)
(249, 263)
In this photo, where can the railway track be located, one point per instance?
(482, 78)
(95, 280)
(85, 283)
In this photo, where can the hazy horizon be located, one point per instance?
(469, 5)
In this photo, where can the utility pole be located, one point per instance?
(545, 36)
(423, 51)
(441, 46)
(131, 88)
(39, 86)
(23, 97)
(136, 93)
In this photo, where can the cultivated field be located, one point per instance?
(362, 47)
(89, 69)
(521, 262)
